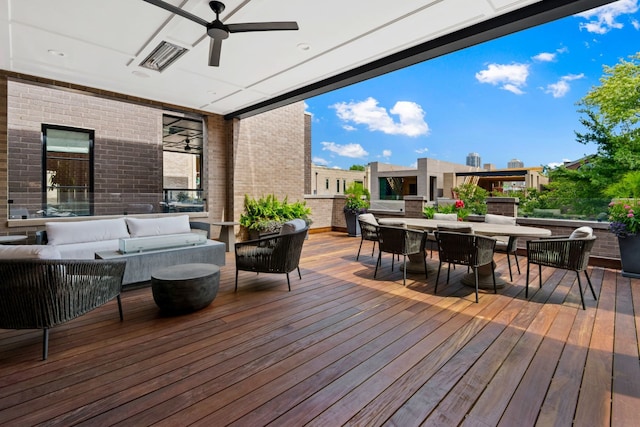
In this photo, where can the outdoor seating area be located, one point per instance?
(341, 348)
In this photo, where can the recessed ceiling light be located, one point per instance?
(140, 74)
(304, 46)
(56, 52)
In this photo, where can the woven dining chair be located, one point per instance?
(567, 253)
(505, 244)
(401, 241)
(368, 231)
(466, 249)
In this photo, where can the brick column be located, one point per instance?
(413, 206)
(507, 206)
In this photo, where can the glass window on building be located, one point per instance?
(67, 178)
(326, 184)
(182, 146)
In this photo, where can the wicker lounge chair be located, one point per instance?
(274, 254)
(41, 293)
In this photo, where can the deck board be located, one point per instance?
(341, 348)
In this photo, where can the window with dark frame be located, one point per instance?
(67, 172)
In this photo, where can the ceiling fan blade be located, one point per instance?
(174, 9)
(214, 52)
(262, 26)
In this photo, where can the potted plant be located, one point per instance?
(357, 203)
(266, 215)
(625, 224)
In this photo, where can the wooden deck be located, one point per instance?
(340, 348)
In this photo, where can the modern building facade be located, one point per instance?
(515, 163)
(329, 181)
(473, 159)
(114, 159)
(429, 179)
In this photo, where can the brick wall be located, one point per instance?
(269, 154)
(127, 146)
(507, 206)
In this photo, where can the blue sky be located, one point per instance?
(514, 97)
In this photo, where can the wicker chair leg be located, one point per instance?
(580, 288)
(475, 273)
(540, 274)
(509, 264)
(45, 343)
(120, 308)
(299, 275)
(515, 255)
(404, 270)
(526, 291)
(493, 274)
(360, 247)
(373, 251)
(377, 264)
(424, 261)
(236, 289)
(435, 291)
(590, 285)
(448, 272)
(288, 282)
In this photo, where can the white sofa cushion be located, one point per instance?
(158, 226)
(292, 226)
(445, 217)
(582, 233)
(499, 219)
(29, 252)
(62, 233)
(87, 250)
(368, 218)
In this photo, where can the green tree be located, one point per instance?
(610, 117)
(356, 168)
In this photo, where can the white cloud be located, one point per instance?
(511, 77)
(554, 165)
(348, 150)
(562, 87)
(563, 49)
(348, 128)
(320, 161)
(376, 118)
(386, 153)
(545, 57)
(603, 19)
(635, 24)
(306, 107)
(422, 150)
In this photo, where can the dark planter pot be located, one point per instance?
(630, 255)
(353, 226)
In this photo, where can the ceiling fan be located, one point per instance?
(219, 31)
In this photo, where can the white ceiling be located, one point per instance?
(104, 41)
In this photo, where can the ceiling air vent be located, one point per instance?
(163, 56)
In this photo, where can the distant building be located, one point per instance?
(489, 166)
(328, 181)
(515, 163)
(393, 183)
(473, 159)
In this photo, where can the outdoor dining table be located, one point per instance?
(481, 228)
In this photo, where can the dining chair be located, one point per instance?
(368, 231)
(471, 250)
(451, 217)
(401, 241)
(505, 244)
(567, 253)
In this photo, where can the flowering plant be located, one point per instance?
(623, 218)
(457, 208)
